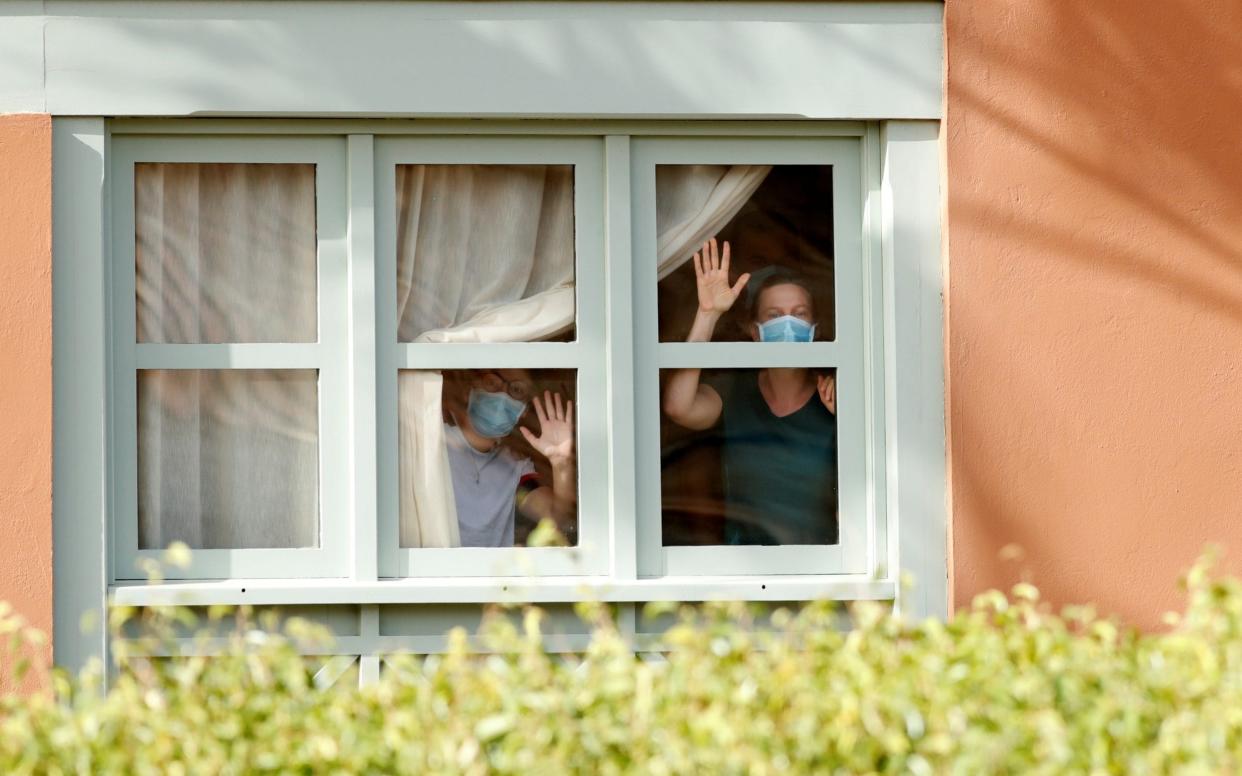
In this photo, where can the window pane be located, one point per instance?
(751, 458)
(485, 253)
(228, 458)
(480, 465)
(225, 252)
(777, 222)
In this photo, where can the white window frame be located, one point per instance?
(585, 355)
(859, 428)
(328, 356)
(901, 222)
(358, 356)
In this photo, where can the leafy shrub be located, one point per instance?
(1004, 687)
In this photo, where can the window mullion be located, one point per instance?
(622, 501)
(743, 355)
(491, 355)
(645, 382)
(363, 486)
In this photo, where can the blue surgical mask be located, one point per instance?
(787, 328)
(493, 415)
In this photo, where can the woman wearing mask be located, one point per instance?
(778, 426)
(490, 478)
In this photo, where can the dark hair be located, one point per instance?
(766, 278)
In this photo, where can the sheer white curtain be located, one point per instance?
(476, 239)
(228, 458)
(485, 254)
(694, 202)
(226, 253)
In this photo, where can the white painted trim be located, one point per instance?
(368, 653)
(331, 671)
(149, 355)
(698, 127)
(505, 355)
(21, 40)
(917, 475)
(846, 60)
(388, 359)
(498, 562)
(748, 355)
(80, 410)
(622, 461)
(455, 590)
(876, 346)
(363, 482)
(369, 632)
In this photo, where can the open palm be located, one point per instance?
(556, 428)
(711, 273)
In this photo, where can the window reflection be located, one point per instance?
(776, 220)
(485, 455)
(749, 455)
(752, 460)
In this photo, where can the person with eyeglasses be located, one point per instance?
(778, 426)
(491, 479)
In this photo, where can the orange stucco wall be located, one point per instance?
(26, 366)
(1094, 352)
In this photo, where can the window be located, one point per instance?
(244, 313)
(317, 339)
(489, 263)
(229, 357)
(756, 488)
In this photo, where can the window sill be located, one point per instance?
(267, 592)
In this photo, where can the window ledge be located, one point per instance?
(438, 590)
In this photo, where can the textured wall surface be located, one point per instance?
(26, 366)
(1094, 155)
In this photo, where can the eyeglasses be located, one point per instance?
(494, 383)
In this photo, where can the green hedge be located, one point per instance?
(1005, 687)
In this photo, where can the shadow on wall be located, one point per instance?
(1095, 284)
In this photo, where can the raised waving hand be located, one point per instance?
(556, 428)
(711, 272)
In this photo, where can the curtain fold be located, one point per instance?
(475, 238)
(484, 255)
(694, 202)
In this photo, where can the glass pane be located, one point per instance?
(485, 455)
(225, 252)
(485, 253)
(749, 456)
(777, 224)
(228, 458)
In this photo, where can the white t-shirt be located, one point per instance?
(485, 489)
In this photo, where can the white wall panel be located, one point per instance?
(658, 60)
(21, 57)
